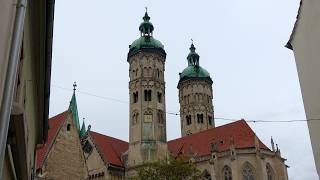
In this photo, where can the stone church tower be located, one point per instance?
(195, 97)
(147, 126)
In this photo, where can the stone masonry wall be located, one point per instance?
(65, 159)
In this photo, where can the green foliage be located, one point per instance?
(175, 169)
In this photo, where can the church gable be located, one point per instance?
(55, 124)
(103, 155)
(65, 157)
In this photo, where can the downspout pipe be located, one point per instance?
(6, 103)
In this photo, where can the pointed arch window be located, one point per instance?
(247, 172)
(227, 173)
(270, 172)
(206, 175)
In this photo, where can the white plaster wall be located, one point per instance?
(306, 46)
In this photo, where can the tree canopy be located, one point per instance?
(174, 169)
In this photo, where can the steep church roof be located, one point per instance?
(239, 133)
(111, 148)
(55, 124)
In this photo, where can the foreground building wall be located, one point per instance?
(305, 43)
(30, 103)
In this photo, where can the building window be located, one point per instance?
(210, 120)
(270, 172)
(188, 119)
(68, 127)
(135, 97)
(247, 172)
(159, 95)
(160, 117)
(206, 175)
(200, 118)
(227, 173)
(135, 118)
(147, 95)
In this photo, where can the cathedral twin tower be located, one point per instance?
(147, 126)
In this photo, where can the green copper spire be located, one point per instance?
(193, 57)
(73, 107)
(83, 129)
(146, 40)
(146, 27)
(194, 70)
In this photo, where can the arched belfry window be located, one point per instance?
(270, 172)
(227, 173)
(247, 171)
(147, 95)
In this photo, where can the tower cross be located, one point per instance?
(74, 87)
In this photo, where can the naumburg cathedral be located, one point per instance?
(228, 152)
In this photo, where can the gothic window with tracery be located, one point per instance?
(227, 173)
(247, 172)
(206, 175)
(270, 172)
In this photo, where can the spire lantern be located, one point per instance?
(193, 57)
(146, 27)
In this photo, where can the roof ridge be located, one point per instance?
(218, 127)
(109, 136)
(53, 117)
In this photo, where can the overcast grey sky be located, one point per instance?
(241, 44)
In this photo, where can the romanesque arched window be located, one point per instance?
(270, 172)
(226, 173)
(147, 95)
(247, 171)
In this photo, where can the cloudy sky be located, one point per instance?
(241, 44)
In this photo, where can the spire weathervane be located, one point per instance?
(74, 87)
(191, 41)
(146, 9)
